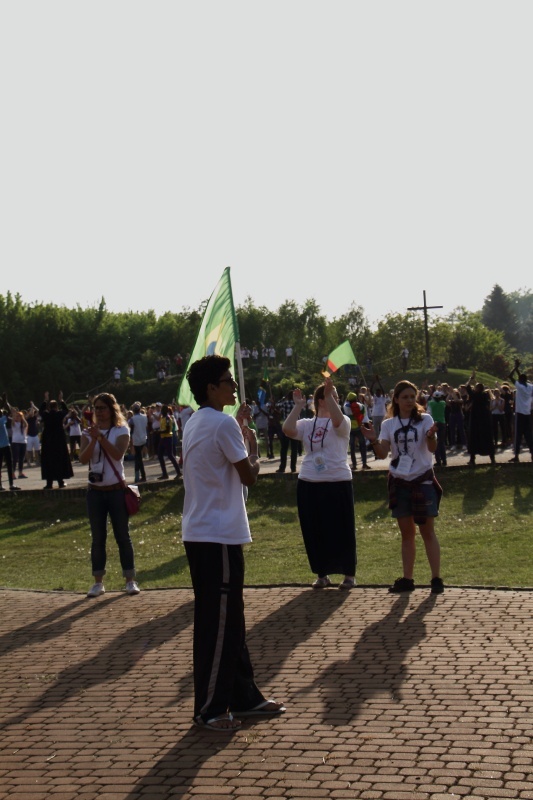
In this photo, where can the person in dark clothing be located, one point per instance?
(480, 441)
(5, 448)
(55, 459)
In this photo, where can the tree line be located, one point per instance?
(50, 347)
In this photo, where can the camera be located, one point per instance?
(95, 477)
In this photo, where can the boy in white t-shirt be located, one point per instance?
(216, 465)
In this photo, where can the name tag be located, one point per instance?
(404, 465)
(319, 462)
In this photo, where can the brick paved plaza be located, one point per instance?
(390, 697)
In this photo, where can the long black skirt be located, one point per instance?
(327, 520)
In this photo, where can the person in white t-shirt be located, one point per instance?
(325, 491)
(522, 408)
(414, 493)
(103, 444)
(216, 466)
(138, 425)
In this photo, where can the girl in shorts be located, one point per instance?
(414, 493)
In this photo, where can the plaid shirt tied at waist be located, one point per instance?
(418, 498)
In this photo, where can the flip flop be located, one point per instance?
(233, 727)
(261, 710)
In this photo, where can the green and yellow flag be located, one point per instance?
(343, 354)
(217, 336)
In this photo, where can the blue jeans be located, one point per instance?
(100, 505)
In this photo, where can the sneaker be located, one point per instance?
(96, 590)
(163, 478)
(321, 583)
(367, 466)
(21, 475)
(14, 488)
(402, 585)
(132, 588)
(437, 586)
(514, 460)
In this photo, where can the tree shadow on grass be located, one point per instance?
(477, 495)
(523, 499)
(169, 569)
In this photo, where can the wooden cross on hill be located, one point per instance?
(425, 308)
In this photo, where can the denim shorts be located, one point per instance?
(404, 505)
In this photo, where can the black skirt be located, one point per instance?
(327, 520)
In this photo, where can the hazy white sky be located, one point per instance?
(345, 151)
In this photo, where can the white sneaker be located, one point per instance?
(96, 590)
(132, 588)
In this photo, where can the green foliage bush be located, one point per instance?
(48, 347)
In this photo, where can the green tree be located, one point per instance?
(498, 314)
(474, 345)
(394, 333)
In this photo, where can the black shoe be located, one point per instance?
(367, 466)
(14, 488)
(280, 470)
(514, 460)
(437, 586)
(402, 585)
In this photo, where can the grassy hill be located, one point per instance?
(282, 380)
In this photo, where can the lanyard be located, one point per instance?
(405, 430)
(325, 430)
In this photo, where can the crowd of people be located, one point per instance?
(220, 457)
(50, 437)
(471, 418)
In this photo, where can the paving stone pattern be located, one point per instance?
(411, 697)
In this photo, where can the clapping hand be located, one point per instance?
(299, 399)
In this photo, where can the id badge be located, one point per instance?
(319, 462)
(404, 465)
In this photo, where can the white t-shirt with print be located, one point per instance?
(395, 432)
(99, 463)
(325, 450)
(213, 509)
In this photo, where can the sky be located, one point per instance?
(347, 152)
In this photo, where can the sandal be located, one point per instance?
(225, 723)
(268, 708)
(321, 583)
(348, 583)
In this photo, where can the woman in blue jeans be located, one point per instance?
(103, 446)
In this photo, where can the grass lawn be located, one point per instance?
(485, 529)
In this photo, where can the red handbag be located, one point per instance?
(132, 495)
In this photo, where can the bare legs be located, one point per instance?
(431, 543)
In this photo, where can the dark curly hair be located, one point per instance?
(205, 371)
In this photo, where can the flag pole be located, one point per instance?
(240, 371)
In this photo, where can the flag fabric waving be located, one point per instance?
(217, 336)
(343, 354)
